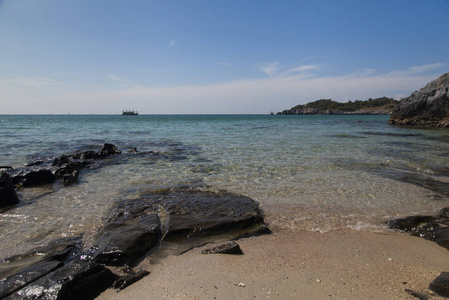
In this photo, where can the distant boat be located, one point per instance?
(129, 113)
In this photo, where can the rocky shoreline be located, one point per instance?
(136, 228)
(133, 229)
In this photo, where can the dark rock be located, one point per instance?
(7, 167)
(199, 213)
(427, 107)
(126, 237)
(70, 177)
(75, 280)
(229, 248)
(21, 270)
(411, 224)
(263, 230)
(125, 281)
(8, 195)
(133, 150)
(433, 228)
(62, 270)
(107, 150)
(88, 155)
(35, 163)
(132, 227)
(26, 276)
(69, 173)
(53, 272)
(59, 161)
(35, 178)
(440, 285)
(441, 236)
(29, 178)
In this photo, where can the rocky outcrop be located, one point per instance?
(131, 230)
(66, 168)
(427, 107)
(30, 178)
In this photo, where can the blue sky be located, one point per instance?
(205, 56)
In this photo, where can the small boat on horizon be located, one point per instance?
(129, 113)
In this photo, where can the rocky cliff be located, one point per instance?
(427, 107)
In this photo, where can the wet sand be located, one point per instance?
(343, 264)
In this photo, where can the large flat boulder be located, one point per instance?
(134, 227)
(191, 212)
(427, 107)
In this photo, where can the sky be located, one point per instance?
(213, 56)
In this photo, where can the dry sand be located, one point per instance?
(298, 265)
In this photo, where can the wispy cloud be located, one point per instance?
(302, 71)
(414, 70)
(260, 95)
(364, 72)
(274, 69)
(270, 68)
(30, 82)
(117, 78)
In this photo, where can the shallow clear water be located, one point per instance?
(309, 172)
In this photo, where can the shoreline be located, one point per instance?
(343, 264)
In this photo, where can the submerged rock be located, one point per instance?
(30, 178)
(8, 195)
(427, 107)
(65, 167)
(107, 150)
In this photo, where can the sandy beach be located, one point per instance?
(343, 264)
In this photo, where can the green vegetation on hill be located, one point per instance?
(328, 104)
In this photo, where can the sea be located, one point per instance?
(314, 173)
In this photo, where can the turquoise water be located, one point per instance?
(316, 173)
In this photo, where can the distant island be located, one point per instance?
(378, 106)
